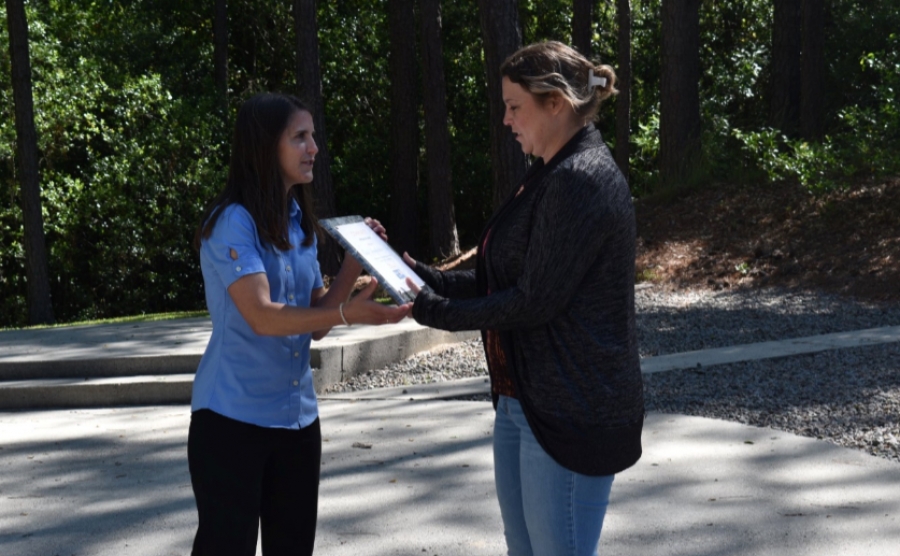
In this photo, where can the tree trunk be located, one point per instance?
(502, 36)
(581, 26)
(812, 105)
(443, 238)
(623, 99)
(37, 273)
(679, 133)
(220, 53)
(309, 86)
(785, 105)
(404, 226)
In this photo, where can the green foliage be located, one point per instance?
(865, 134)
(469, 118)
(354, 43)
(131, 138)
(862, 123)
(125, 166)
(646, 275)
(646, 36)
(133, 142)
(814, 165)
(644, 170)
(128, 242)
(546, 20)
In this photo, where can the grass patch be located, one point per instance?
(121, 320)
(646, 275)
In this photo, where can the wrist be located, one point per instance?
(352, 266)
(341, 313)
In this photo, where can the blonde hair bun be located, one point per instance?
(553, 68)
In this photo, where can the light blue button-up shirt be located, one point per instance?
(262, 380)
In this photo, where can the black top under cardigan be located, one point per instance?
(560, 269)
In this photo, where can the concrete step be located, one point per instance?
(96, 392)
(163, 347)
(154, 363)
(176, 389)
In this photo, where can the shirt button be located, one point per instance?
(288, 268)
(296, 354)
(237, 268)
(291, 297)
(296, 383)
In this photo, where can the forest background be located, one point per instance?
(132, 115)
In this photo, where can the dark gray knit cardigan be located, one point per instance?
(560, 271)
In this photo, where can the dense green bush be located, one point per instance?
(126, 167)
(862, 125)
(864, 135)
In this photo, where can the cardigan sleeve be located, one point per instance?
(572, 224)
(448, 283)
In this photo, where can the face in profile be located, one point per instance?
(520, 115)
(297, 150)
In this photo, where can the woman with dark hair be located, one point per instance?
(254, 444)
(553, 294)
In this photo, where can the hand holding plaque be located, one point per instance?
(375, 255)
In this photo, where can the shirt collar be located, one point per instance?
(294, 211)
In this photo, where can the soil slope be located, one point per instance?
(729, 236)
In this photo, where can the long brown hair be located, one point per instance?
(254, 178)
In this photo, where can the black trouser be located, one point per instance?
(244, 477)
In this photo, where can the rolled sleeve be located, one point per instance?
(234, 230)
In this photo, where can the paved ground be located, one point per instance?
(407, 474)
(115, 481)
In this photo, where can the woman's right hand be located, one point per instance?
(362, 310)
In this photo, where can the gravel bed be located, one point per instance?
(450, 362)
(850, 396)
(675, 322)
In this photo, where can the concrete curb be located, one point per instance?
(770, 350)
(347, 352)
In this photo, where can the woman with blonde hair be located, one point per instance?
(553, 294)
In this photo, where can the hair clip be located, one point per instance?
(595, 81)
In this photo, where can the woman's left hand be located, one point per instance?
(410, 262)
(376, 227)
(412, 286)
(379, 229)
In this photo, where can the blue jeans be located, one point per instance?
(547, 510)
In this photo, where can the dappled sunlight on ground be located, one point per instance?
(728, 489)
(416, 477)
